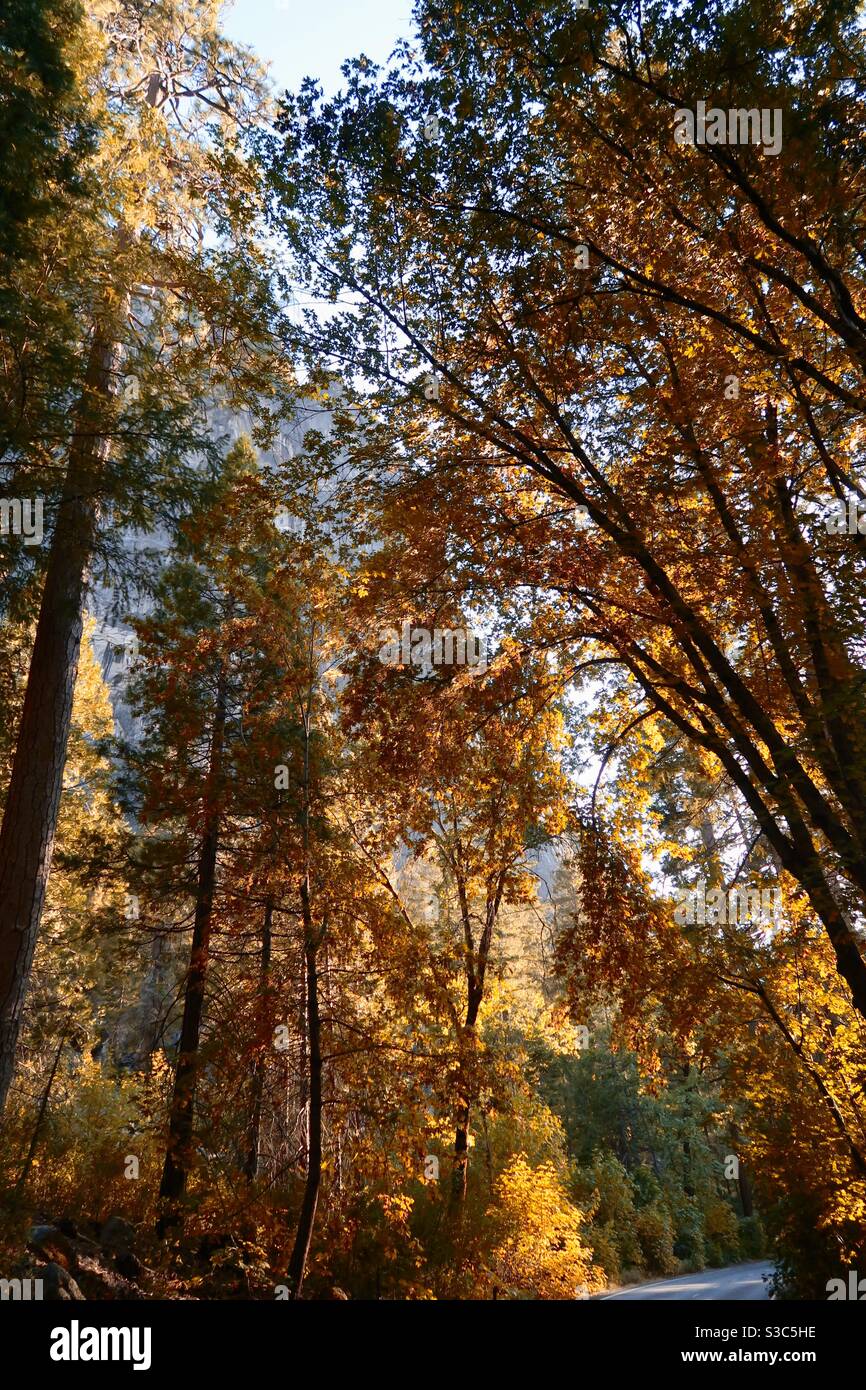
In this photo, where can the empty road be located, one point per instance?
(739, 1282)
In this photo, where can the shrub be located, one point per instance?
(721, 1231)
(689, 1243)
(808, 1253)
(605, 1251)
(539, 1251)
(609, 1194)
(655, 1232)
(753, 1242)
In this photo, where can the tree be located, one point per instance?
(475, 784)
(201, 662)
(754, 1007)
(640, 411)
(85, 957)
(167, 94)
(43, 120)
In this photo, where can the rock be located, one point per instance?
(59, 1285)
(338, 1293)
(128, 1265)
(100, 1281)
(83, 1245)
(51, 1244)
(117, 1234)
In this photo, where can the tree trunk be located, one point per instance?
(307, 1216)
(40, 1118)
(460, 1173)
(312, 941)
(33, 800)
(251, 1166)
(858, 1158)
(179, 1150)
(745, 1186)
(476, 972)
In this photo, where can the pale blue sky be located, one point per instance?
(301, 37)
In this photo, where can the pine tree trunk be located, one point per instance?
(180, 1147)
(310, 1200)
(40, 1118)
(312, 941)
(33, 800)
(251, 1166)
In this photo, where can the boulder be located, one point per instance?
(58, 1285)
(100, 1281)
(128, 1265)
(51, 1244)
(117, 1234)
(82, 1245)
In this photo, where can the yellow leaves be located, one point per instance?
(396, 1206)
(539, 1251)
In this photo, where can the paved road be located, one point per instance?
(737, 1282)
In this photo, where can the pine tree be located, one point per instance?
(169, 95)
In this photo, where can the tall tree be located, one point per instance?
(477, 785)
(202, 665)
(167, 96)
(638, 410)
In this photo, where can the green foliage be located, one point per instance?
(690, 1244)
(42, 117)
(656, 1235)
(721, 1232)
(98, 1119)
(806, 1251)
(752, 1238)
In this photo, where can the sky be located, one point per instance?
(313, 37)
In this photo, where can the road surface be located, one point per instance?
(737, 1282)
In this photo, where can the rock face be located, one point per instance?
(113, 640)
